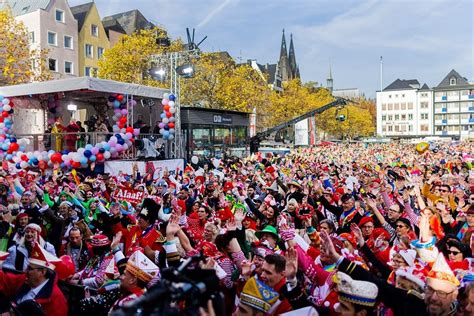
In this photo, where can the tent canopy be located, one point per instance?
(86, 85)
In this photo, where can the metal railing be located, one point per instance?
(73, 141)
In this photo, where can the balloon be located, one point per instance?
(166, 96)
(76, 164)
(119, 97)
(92, 158)
(87, 153)
(42, 165)
(171, 125)
(100, 157)
(194, 160)
(164, 101)
(173, 110)
(5, 101)
(172, 97)
(172, 119)
(88, 147)
(56, 158)
(165, 120)
(129, 135)
(171, 137)
(116, 104)
(124, 112)
(171, 103)
(129, 129)
(169, 114)
(216, 163)
(7, 107)
(422, 147)
(107, 155)
(83, 160)
(161, 125)
(166, 133)
(111, 98)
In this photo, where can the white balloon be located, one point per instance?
(107, 155)
(172, 119)
(165, 120)
(171, 103)
(172, 110)
(194, 160)
(7, 107)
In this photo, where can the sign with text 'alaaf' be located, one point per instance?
(129, 195)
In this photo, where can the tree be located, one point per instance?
(18, 63)
(129, 59)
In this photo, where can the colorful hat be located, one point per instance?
(209, 249)
(414, 274)
(3, 255)
(356, 292)
(295, 183)
(261, 249)
(268, 229)
(141, 267)
(258, 295)
(40, 257)
(228, 186)
(312, 233)
(366, 219)
(441, 276)
(99, 240)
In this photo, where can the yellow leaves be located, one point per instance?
(15, 56)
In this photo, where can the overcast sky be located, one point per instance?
(418, 39)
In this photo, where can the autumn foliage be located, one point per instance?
(19, 64)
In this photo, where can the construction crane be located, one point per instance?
(340, 103)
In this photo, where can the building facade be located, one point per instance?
(454, 107)
(405, 109)
(51, 26)
(93, 40)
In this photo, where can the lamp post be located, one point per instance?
(180, 65)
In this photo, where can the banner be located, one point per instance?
(125, 194)
(174, 167)
(301, 133)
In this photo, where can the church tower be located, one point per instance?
(295, 71)
(329, 83)
(283, 63)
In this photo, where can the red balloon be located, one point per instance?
(100, 156)
(65, 268)
(14, 146)
(76, 164)
(121, 125)
(42, 165)
(5, 114)
(119, 98)
(169, 114)
(1, 119)
(166, 108)
(24, 157)
(129, 129)
(171, 125)
(123, 120)
(56, 158)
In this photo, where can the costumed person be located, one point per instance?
(71, 137)
(138, 273)
(57, 131)
(38, 284)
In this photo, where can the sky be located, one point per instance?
(418, 39)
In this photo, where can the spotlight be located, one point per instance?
(157, 73)
(186, 70)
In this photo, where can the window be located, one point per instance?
(410, 128)
(59, 15)
(67, 41)
(68, 67)
(87, 71)
(390, 128)
(390, 117)
(424, 116)
(384, 117)
(389, 96)
(403, 106)
(53, 64)
(403, 95)
(453, 93)
(410, 117)
(384, 128)
(384, 107)
(52, 38)
(404, 117)
(423, 105)
(396, 106)
(397, 128)
(396, 95)
(89, 51)
(452, 81)
(390, 106)
(100, 52)
(410, 106)
(31, 37)
(397, 117)
(424, 127)
(94, 30)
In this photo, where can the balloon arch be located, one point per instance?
(13, 150)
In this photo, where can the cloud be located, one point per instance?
(216, 10)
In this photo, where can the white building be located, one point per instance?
(51, 26)
(454, 107)
(405, 109)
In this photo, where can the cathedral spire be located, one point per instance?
(283, 63)
(292, 60)
(329, 81)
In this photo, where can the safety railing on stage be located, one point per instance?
(73, 141)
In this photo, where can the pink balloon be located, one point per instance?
(118, 147)
(165, 101)
(136, 131)
(124, 112)
(95, 150)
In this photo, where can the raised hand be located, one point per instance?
(239, 215)
(357, 234)
(116, 240)
(327, 247)
(291, 263)
(231, 225)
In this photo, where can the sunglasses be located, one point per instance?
(401, 226)
(445, 191)
(453, 252)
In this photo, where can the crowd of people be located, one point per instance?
(345, 229)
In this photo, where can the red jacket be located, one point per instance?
(49, 297)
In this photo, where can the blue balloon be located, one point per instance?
(111, 98)
(13, 140)
(92, 158)
(118, 136)
(166, 133)
(5, 146)
(87, 153)
(101, 150)
(172, 97)
(166, 127)
(50, 152)
(83, 160)
(88, 147)
(63, 165)
(17, 165)
(106, 147)
(1, 98)
(35, 161)
(121, 141)
(65, 152)
(22, 148)
(163, 115)
(9, 157)
(116, 104)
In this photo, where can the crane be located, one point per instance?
(339, 103)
